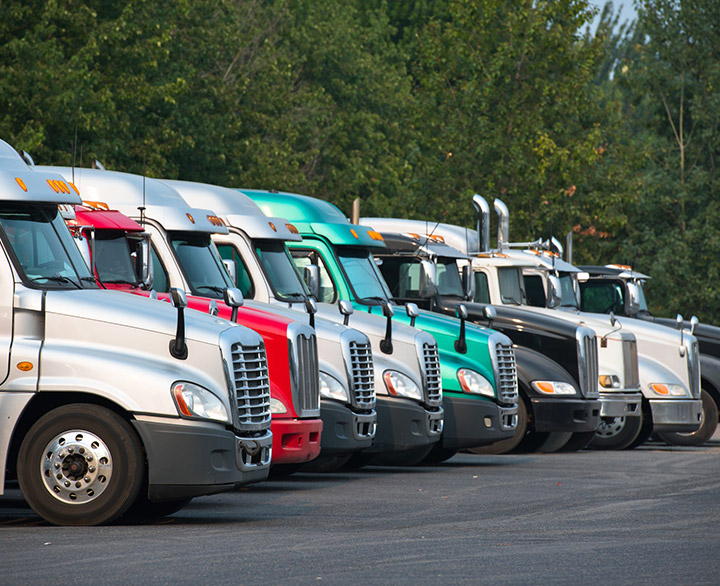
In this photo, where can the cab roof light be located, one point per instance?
(190, 218)
(274, 229)
(96, 205)
(74, 188)
(352, 231)
(622, 267)
(215, 221)
(375, 235)
(21, 183)
(54, 187)
(293, 229)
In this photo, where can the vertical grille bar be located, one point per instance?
(506, 373)
(307, 391)
(432, 377)
(252, 386)
(590, 367)
(630, 361)
(362, 375)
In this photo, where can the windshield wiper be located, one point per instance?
(377, 298)
(293, 295)
(56, 279)
(213, 288)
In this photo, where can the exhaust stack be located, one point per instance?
(483, 222)
(503, 224)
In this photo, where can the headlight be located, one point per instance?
(669, 390)
(194, 401)
(332, 388)
(277, 406)
(400, 385)
(609, 381)
(474, 383)
(553, 387)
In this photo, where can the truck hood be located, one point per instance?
(142, 313)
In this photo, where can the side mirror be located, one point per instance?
(633, 300)
(460, 343)
(613, 319)
(346, 310)
(427, 279)
(311, 275)
(386, 345)
(468, 282)
(178, 347)
(233, 297)
(311, 309)
(412, 312)
(144, 266)
(554, 294)
(231, 269)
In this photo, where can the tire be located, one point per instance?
(578, 441)
(284, 470)
(80, 464)
(646, 428)
(708, 425)
(325, 463)
(555, 441)
(409, 457)
(142, 509)
(616, 433)
(505, 446)
(438, 455)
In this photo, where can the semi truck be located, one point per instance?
(557, 361)
(258, 258)
(183, 256)
(619, 289)
(668, 366)
(99, 415)
(478, 388)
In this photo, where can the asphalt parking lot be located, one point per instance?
(646, 516)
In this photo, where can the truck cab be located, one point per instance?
(99, 415)
(183, 256)
(478, 377)
(618, 289)
(556, 361)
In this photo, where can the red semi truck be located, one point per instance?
(182, 255)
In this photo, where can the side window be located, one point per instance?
(602, 297)
(160, 279)
(534, 290)
(402, 276)
(241, 275)
(482, 291)
(303, 258)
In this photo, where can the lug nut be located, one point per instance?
(86, 479)
(91, 468)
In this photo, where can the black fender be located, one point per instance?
(710, 376)
(532, 365)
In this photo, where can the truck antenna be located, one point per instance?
(74, 144)
(142, 207)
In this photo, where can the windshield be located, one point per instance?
(200, 263)
(603, 297)
(448, 278)
(113, 262)
(362, 275)
(510, 285)
(43, 246)
(569, 299)
(280, 271)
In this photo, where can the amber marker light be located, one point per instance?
(54, 187)
(352, 231)
(24, 366)
(274, 229)
(545, 387)
(75, 189)
(21, 183)
(190, 218)
(182, 405)
(293, 229)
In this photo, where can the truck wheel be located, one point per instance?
(645, 430)
(409, 457)
(326, 463)
(142, 509)
(80, 464)
(438, 454)
(505, 446)
(578, 441)
(708, 425)
(555, 441)
(616, 433)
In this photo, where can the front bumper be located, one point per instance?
(575, 415)
(620, 404)
(345, 431)
(403, 424)
(186, 461)
(682, 415)
(474, 422)
(295, 440)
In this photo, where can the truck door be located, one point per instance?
(7, 291)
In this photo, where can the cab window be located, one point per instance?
(303, 258)
(482, 291)
(242, 279)
(160, 276)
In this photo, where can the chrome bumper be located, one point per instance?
(508, 418)
(253, 453)
(620, 404)
(676, 413)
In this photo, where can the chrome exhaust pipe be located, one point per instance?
(503, 224)
(483, 222)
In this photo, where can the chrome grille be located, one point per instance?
(252, 386)
(630, 362)
(588, 362)
(505, 373)
(432, 379)
(362, 375)
(304, 372)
